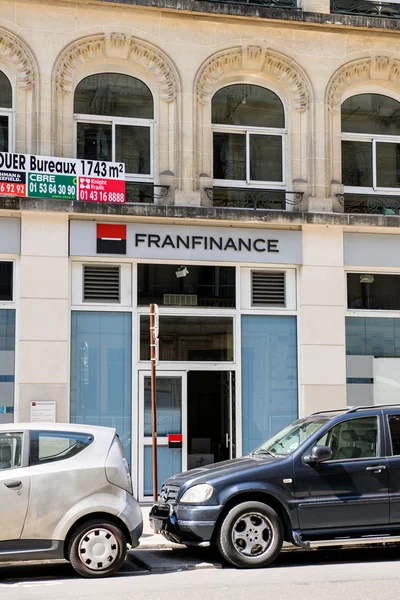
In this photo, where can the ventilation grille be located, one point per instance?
(101, 283)
(180, 299)
(267, 288)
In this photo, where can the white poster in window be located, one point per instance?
(386, 380)
(43, 411)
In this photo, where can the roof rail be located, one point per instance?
(351, 409)
(322, 412)
(372, 406)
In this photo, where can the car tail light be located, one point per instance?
(117, 467)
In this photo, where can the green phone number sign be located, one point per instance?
(57, 187)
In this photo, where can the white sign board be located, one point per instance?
(43, 411)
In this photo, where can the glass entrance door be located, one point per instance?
(210, 417)
(171, 419)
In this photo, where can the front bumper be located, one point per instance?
(191, 525)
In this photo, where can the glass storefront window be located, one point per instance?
(190, 338)
(6, 281)
(269, 376)
(7, 365)
(371, 291)
(101, 371)
(373, 360)
(188, 286)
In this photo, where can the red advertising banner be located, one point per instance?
(92, 189)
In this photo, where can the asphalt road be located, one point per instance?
(367, 574)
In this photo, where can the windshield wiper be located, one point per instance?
(263, 451)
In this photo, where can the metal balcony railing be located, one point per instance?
(145, 193)
(367, 8)
(253, 198)
(269, 3)
(370, 205)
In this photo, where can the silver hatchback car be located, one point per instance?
(66, 492)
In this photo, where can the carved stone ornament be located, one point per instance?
(14, 50)
(116, 45)
(371, 68)
(253, 58)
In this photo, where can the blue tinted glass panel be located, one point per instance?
(169, 405)
(269, 376)
(7, 365)
(169, 462)
(101, 371)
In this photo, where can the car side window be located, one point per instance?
(51, 446)
(355, 438)
(394, 427)
(10, 450)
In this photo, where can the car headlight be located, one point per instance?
(197, 493)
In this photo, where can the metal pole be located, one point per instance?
(153, 359)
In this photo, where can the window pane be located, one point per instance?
(201, 286)
(373, 292)
(169, 405)
(7, 362)
(114, 95)
(357, 438)
(190, 338)
(5, 91)
(3, 133)
(269, 376)
(10, 450)
(169, 462)
(94, 141)
(357, 164)
(47, 446)
(101, 371)
(229, 156)
(371, 113)
(250, 105)
(388, 165)
(6, 281)
(132, 147)
(266, 158)
(394, 426)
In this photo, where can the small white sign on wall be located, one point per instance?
(43, 411)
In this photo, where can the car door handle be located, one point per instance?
(13, 485)
(376, 468)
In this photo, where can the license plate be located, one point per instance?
(156, 524)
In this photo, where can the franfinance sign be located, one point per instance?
(30, 176)
(177, 242)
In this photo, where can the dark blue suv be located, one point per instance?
(331, 479)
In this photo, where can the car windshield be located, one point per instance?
(287, 440)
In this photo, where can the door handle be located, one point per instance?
(376, 469)
(13, 485)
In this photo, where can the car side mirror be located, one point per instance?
(317, 455)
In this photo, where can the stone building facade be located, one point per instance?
(302, 204)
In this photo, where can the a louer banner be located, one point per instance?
(31, 176)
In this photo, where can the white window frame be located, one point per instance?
(9, 112)
(248, 131)
(113, 121)
(373, 140)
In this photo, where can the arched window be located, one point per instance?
(114, 116)
(5, 113)
(248, 137)
(371, 144)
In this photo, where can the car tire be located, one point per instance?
(97, 549)
(250, 536)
